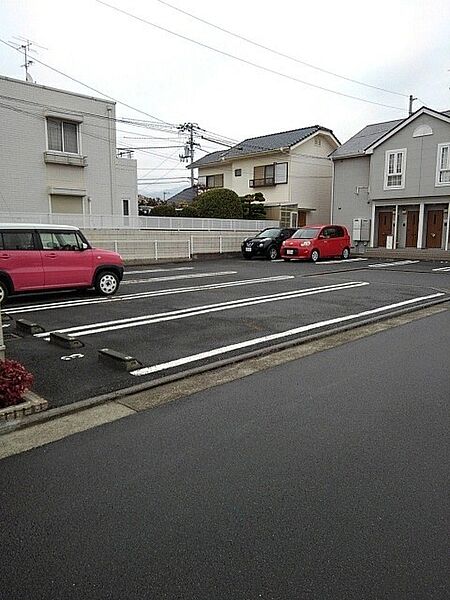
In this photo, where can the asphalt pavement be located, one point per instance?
(173, 318)
(322, 478)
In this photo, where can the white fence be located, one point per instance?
(120, 222)
(175, 248)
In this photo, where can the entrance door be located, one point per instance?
(412, 228)
(435, 219)
(384, 227)
(301, 218)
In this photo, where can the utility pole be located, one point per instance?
(411, 100)
(190, 146)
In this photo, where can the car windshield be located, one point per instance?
(268, 233)
(305, 233)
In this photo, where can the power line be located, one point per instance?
(245, 61)
(90, 87)
(297, 60)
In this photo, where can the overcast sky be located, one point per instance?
(398, 45)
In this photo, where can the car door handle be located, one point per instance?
(51, 255)
(5, 256)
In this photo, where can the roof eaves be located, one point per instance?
(409, 119)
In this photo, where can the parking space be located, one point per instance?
(177, 317)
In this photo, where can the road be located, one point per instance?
(322, 478)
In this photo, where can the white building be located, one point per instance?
(290, 168)
(58, 157)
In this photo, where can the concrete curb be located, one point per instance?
(32, 404)
(117, 395)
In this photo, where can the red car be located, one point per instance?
(317, 241)
(35, 257)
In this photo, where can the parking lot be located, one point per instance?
(177, 317)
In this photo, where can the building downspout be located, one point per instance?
(332, 192)
(112, 152)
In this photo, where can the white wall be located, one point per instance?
(26, 179)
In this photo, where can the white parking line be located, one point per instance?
(273, 337)
(141, 295)
(340, 261)
(127, 272)
(442, 269)
(177, 277)
(394, 264)
(102, 327)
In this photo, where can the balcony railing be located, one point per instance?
(265, 182)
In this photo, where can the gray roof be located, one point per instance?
(263, 143)
(357, 144)
(364, 138)
(186, 195)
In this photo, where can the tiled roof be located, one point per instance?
(263, 143)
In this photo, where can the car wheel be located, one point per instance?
(4, 292)
(272, 253)
(106, 283)
(315, 255)
(345, 253)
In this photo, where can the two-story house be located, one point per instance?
(58, 157)
(396, 175)
(291, 169)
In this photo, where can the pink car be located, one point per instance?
(47, 257)
(317, 241)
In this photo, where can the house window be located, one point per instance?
(317, 141)
(126, 207)
(210, 181)
(237, 172)
(62, 136)
(394, 171)
(281, 172)
(443, 165)
(268, 175)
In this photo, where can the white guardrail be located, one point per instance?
(138, 222)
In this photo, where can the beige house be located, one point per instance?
(291, 169)
(58, 156)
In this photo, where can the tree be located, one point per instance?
(163, 210)
(253, 207)
(188, 211)
(219, 203)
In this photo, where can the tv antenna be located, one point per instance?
(24, 44)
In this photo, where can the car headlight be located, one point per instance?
(261, 244)
(306, 244)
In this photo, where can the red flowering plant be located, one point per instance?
(14, 380)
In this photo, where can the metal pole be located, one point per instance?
(2, 345)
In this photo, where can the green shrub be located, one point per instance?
(219, 203)
(163, 210)
(188, 211)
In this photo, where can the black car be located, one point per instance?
(266, 243)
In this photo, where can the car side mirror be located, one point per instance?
(84, 246)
